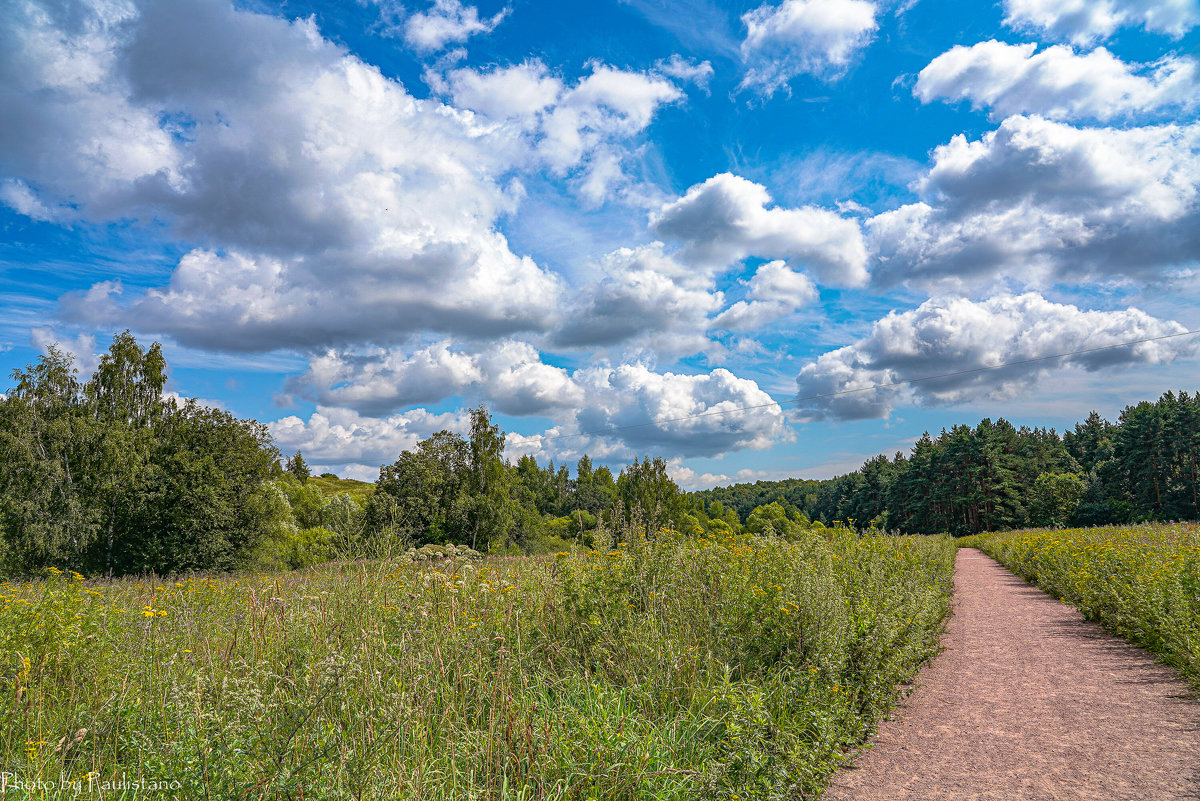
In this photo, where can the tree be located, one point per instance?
(298, 467)
(124, 398)
(46, 517)
(648, 495)
(420, 498)
(492, 510)
(1055, 498)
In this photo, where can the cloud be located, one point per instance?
(774, 292)
(67, 125)
(685, 69)
(509, 374)
(81, 348)
(644, 299)
(326, 205)
(447, 22)
(605, 103)
(628, 406)
(1085, 21)
(21, 198)
(515, 92)
(570, 130)
(814, 37)
(1057, 82)
(689, 480)
(588, 404)
(953, 334)
(341, 436)
(701, 25)
(726, 219)
(1039, 201)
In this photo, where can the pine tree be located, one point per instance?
(298, 467)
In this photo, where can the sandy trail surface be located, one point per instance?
(1027, 702)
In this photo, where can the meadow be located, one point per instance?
(667, 667)
(1141, 582)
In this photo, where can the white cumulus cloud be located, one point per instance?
(1037, 201)
(574, 130)
(447, 22)
(333, 435)
(816, 37)
(1084, 21)
(1057, 82)
(509, 374)
(327, 205)
(642, 299)
(726, 219)
(775, 291)
(946, 335)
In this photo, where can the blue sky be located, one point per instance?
(354, 221)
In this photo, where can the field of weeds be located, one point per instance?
(1141, 582)
(664, 668)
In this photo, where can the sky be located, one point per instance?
(355, 220)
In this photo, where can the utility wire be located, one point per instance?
(901, 382)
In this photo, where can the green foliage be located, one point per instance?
(648, 497)
(1141, 582)
(739, 500)
(298, 468)
(107, 477)
(1055, 498)
(968, 480)
(667, 667)
(421, 498)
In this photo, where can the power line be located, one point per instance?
(901, 382)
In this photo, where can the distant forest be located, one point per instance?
(108, 476)
(996, 476)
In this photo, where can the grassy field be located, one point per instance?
(332, 485)
(1141, 582)
(672, 668)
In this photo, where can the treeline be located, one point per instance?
(995, 476)
(452, 488)
(107, 476)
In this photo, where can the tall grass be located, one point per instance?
(1141, 582)
(661, 668)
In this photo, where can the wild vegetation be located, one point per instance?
(996, 476)
(664, 667)
(1141, 582)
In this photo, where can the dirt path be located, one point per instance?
(1030, 702)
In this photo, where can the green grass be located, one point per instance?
(669, 669)
(1141, 582)
(358, 490)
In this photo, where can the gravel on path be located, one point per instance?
(1027, 702)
